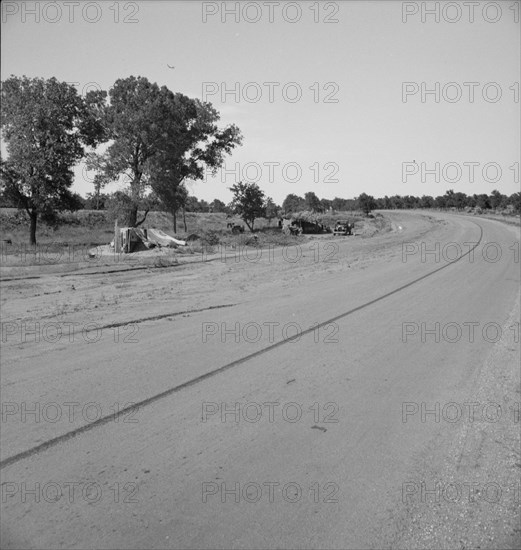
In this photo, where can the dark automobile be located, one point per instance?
(343, 228)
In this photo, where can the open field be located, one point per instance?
(87, 231)
(96, 227)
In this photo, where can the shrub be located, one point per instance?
(210, 237)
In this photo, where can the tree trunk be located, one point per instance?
(32, 231)
(132, 216)
(184, 220)
(137, 224)
(175, 221)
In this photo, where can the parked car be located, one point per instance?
(343, 228)
(236, 228)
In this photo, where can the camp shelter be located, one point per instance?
(134, 239)
(160, 238)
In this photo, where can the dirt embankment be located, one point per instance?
(121, 291)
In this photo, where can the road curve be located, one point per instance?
(248, 439)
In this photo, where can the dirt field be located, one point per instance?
(113, 285)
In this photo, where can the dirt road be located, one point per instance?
(349, 393)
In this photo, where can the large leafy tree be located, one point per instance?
(440, 201)
(325, 204)
(46, 126)
(193, 204)
(218, 206)
(293, 203)
(515, 201)
(366, 203)
(426, 201)
(248, 202)
(482, 201)
(313, 202)
(497, 199)
(160, 139)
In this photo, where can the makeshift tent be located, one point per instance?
(160, 238)
(134, 239)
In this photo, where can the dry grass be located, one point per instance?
(81, 231)
(93, 227)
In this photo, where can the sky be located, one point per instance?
(339, 98)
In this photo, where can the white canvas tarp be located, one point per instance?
(132, 238)
(160, 238)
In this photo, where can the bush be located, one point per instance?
(94, 219)
(13, 219)
(120, 206)
(210, 237)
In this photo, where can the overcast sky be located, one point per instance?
(355, 124)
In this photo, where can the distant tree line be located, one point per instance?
(454, 200)
(450, 200)
(293, 203)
